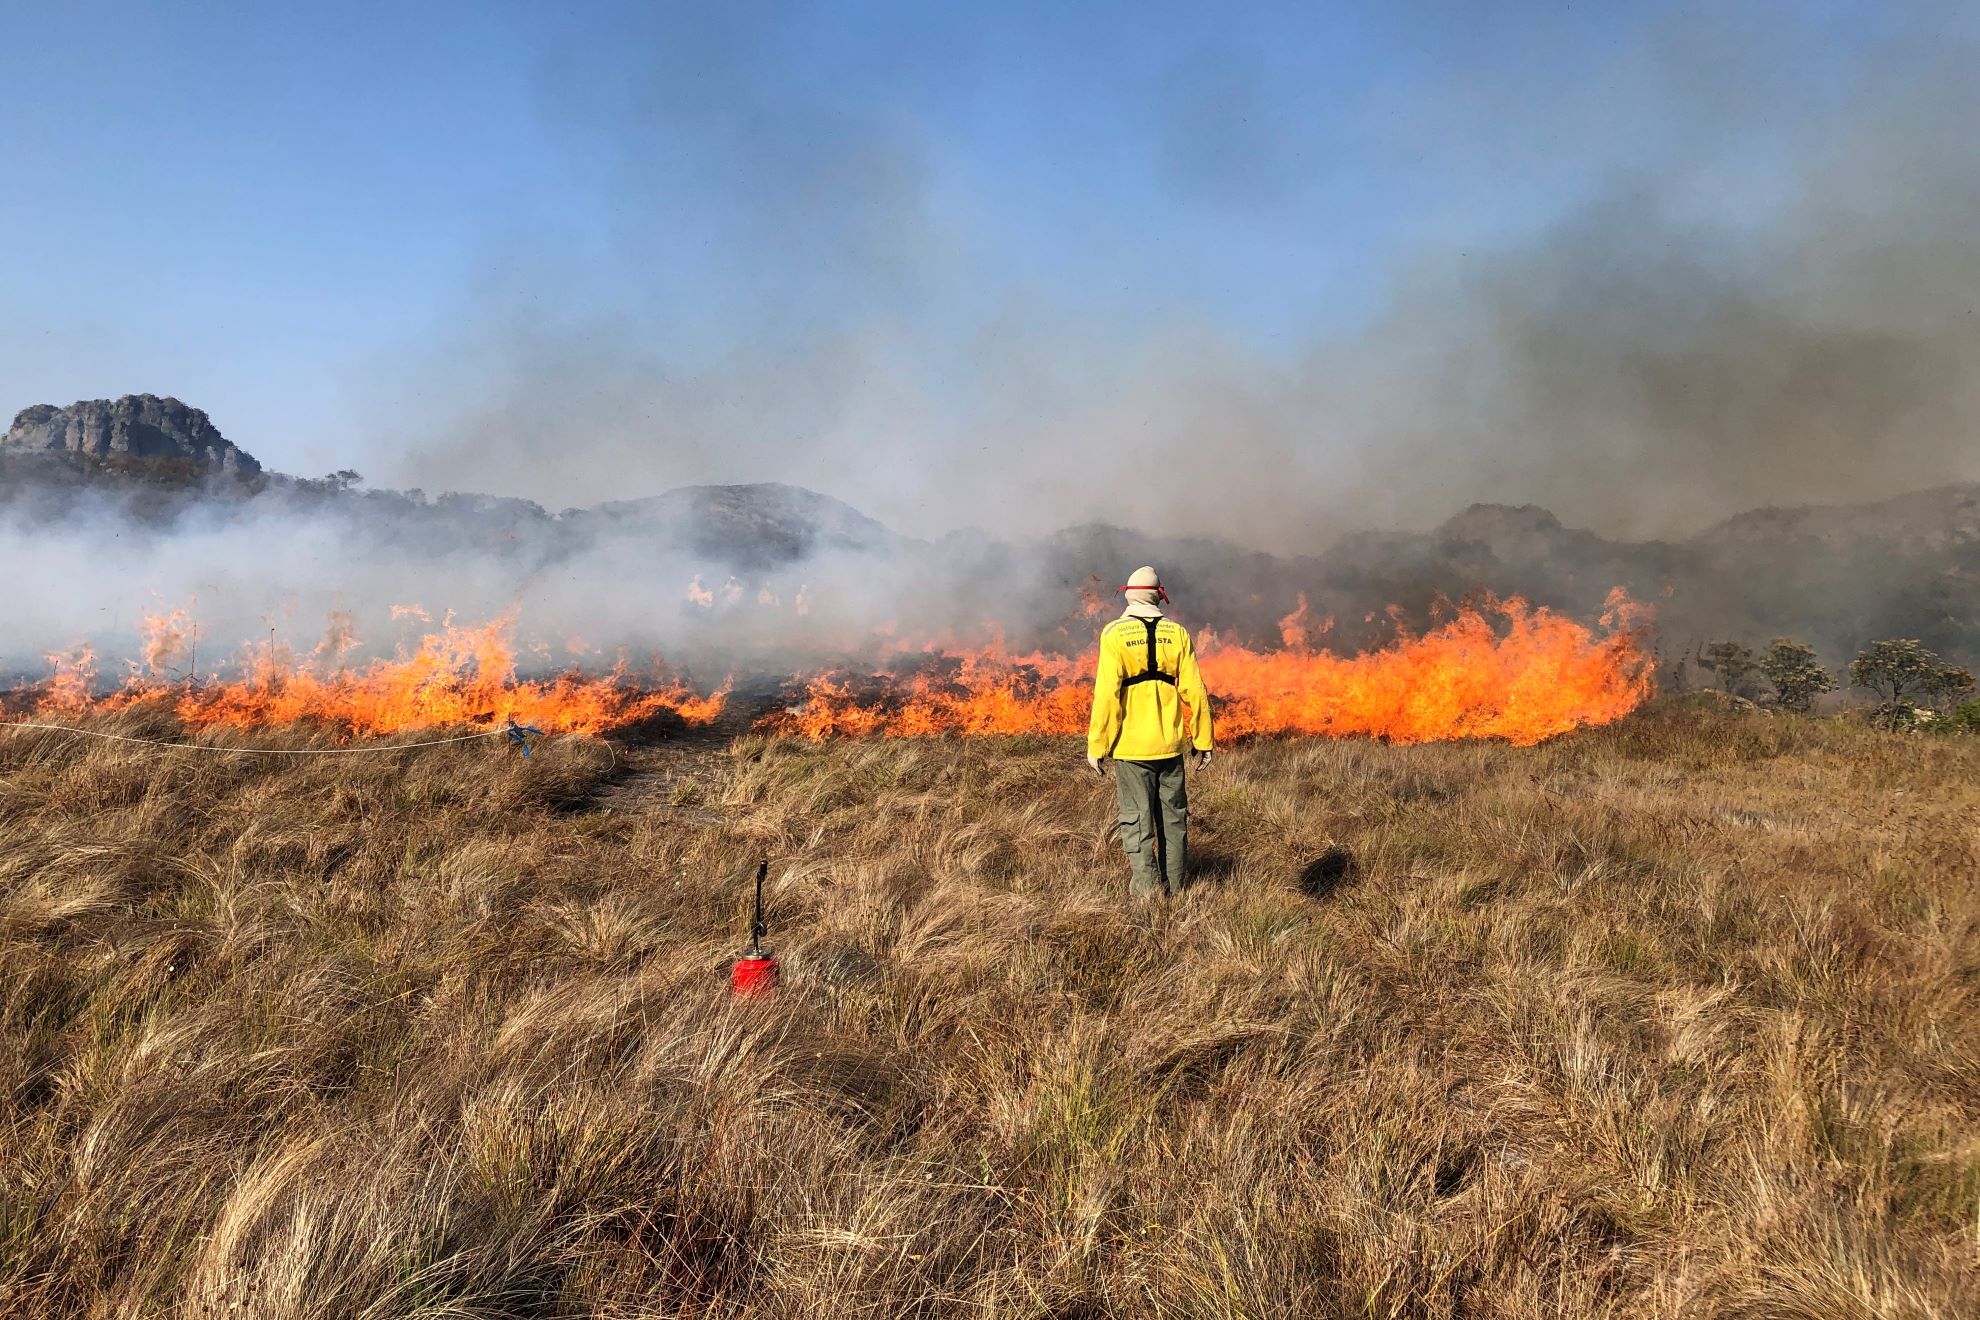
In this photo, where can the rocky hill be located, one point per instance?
(136, 426)
(1835, 576)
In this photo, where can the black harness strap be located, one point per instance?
(1151, 674)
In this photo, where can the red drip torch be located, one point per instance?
(755, 973)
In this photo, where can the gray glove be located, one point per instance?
(1202, 757)
(1099, 765)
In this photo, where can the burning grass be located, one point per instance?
(1675, 1017)
(457, 674)
(1494, 669)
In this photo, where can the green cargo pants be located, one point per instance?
(1154, 824)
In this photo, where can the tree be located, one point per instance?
(1902, 670)
(1966, 717)
(1680, 679)
(1797, 678)
(1949, 685)
(1737, 667)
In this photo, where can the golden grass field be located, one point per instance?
(1679, 1017)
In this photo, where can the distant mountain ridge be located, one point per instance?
(756, 526)
(1835, 576)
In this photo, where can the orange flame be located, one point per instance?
(1296, 630)
(1500, 669)
(1093, 602)
(339, 637)
(71, 682)
(1497, 669)
(166, 641)
(457, 675)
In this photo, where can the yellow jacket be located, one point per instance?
(1144, 721)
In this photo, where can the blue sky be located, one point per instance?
(455, 243)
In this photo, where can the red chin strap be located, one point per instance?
(1160, 594)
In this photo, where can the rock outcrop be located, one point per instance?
(139, 426)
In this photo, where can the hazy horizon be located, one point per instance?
(1272, 279)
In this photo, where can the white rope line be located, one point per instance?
(252, 751)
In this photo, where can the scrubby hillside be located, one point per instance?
(145, 478)
(1680, 1017)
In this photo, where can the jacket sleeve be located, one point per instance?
(1104, 729)
(1189, 686)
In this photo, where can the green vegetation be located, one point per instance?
(1797, 676)
(1910, 680)
(1737, 667)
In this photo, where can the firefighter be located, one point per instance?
(1149, 708)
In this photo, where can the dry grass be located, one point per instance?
(1678, 1018)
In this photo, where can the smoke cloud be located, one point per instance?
(1758, 287)
(1742, 272)
(775, 581)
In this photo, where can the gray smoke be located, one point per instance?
(1770, 300)
(1772, 297)
(759, 581)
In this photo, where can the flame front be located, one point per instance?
(455, 675)
(1501, 669)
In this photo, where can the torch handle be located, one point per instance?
(756, 927)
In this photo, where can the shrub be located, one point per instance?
(1901, 671)
(1948, 686)
(1793, 670)
(1737, 667)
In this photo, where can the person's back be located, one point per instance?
(1149, 707)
